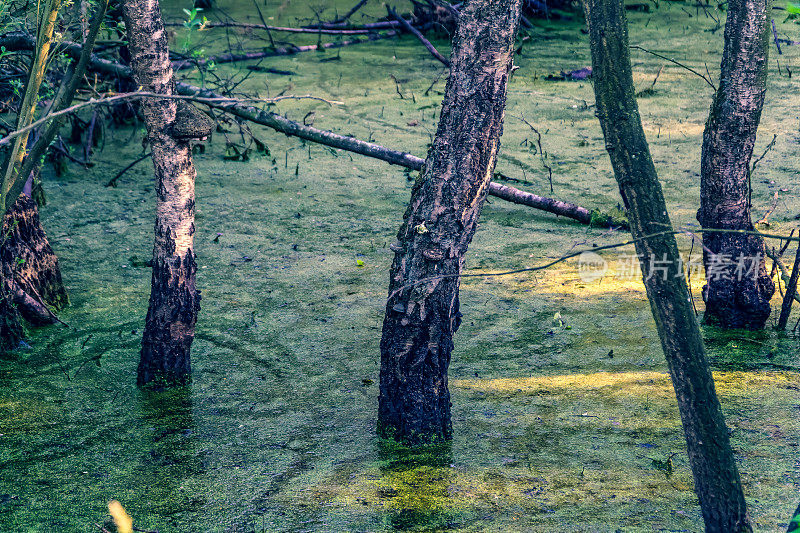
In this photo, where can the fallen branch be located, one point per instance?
(113, 181)
(416, 33)
(334, 140)
(395, 157)
(211, 102)
(380, 25)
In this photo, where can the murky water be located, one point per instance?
(559, 425)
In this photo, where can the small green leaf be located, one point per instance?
(359, 263)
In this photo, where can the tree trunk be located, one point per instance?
(738, 286)
(715, 473)
(26, 253)
(422, 314)
(174, 298)
(31, 274)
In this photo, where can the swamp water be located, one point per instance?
(561, 424)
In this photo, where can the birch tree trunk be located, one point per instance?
(716, 476)
(738, 286)
(422, 315)
(174, 298)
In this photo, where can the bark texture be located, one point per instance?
(422, 315)
(174, 298)
(735, 298)
(32, 287)
(28, 259)
(714, 469)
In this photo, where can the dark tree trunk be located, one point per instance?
(26, 254)
(421, 314)
(735, 297)
(32, 285)
(174, 298)
(715, 473)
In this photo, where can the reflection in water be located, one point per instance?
(171, 457)
(415, 484)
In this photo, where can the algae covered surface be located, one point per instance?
(563, 413)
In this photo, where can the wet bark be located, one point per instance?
(716, 476)
(174, 298)
(32, 285)
(28, 259)
(422, 315)
(738, 286)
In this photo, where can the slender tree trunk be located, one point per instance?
(738, 286)
(174, 298)
(715, 473)
(422, 315)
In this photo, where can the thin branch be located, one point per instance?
(764, 154)
(350, 13)
(576, 253)
(113, 181)
(707, 79)
(416, 33)
(541, 150)
(216, 101)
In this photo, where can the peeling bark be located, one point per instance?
(174, 298)
(421, 318)
(734, 300)
(716, 476)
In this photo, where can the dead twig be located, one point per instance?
(775, 36)
(541, 150)
(764, 154)
(763, 220)
(113, 181)
(791, 291)
(706, 78)
(418, 34)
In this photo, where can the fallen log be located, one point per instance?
(291, 128)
